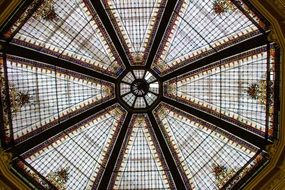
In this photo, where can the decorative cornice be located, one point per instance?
(278, 179)
(272, 149)
(272, 177)
(272, 37)
(9, 179)
(6, 8)
(279, 6)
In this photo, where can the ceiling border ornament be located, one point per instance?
(8, 179)
(272, 177)
(7, 8)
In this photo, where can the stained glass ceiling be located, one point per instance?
(149, 94)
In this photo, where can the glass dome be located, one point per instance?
(139, 89)
(148, 94)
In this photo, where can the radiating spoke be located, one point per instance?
(41, 137)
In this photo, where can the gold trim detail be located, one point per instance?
(7, 7)
(8, 179)
(272, 177)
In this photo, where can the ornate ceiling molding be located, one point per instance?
(9, 180)
(273, 175)
(6, 8)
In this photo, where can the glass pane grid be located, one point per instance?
(129, 99)
(240, 89)
(139, 74)
(139, 89)
(125, 88)
(140, 165)
(75, 158)
(198, 30)
(69, 31)
(135, 23)
(234, 88)
(140, 102)
(208, 156)
(41, 95)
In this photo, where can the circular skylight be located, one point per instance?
(139, 89)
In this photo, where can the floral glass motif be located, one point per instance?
(18, 99)
(207, 156)
(223, 6)
(39, 97)
(75, 158)
(59, 178)
(222, 174)
(46, 11)
(196, 31)
(236, 89)
(70, 30)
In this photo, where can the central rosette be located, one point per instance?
(139, 89)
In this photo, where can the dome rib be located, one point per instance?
(88, 47)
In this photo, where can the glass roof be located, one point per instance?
(197, 29)
(42, 96)
(148, 94)
(232, 88)
(139, 89)
(80, 152)
(206, 155)
(135, 22)
(140, 165)
(71, 31)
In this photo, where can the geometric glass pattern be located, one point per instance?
(81, 152)
(149, 94)
(139, 89)
(136, 23)
(197, 29)
(140, 165)
(70, 30)
(42, 96)
(234, 89)
(207, 156)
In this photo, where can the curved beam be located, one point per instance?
(111, 31)
(20, 51)
(115, 153)
(226, 126)
(160, 32)
(167, 154)
(40, 138)
(248, 44)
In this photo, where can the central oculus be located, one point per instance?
(139, 89)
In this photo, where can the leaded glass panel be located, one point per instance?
(41, 96)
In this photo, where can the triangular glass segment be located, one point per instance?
(75, 158)
(140, 164)
(70, 30)
(136, 23)
(207, 157)
(199, 28)
(239, 89)
(41, 96)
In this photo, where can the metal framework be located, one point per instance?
(13, 49)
